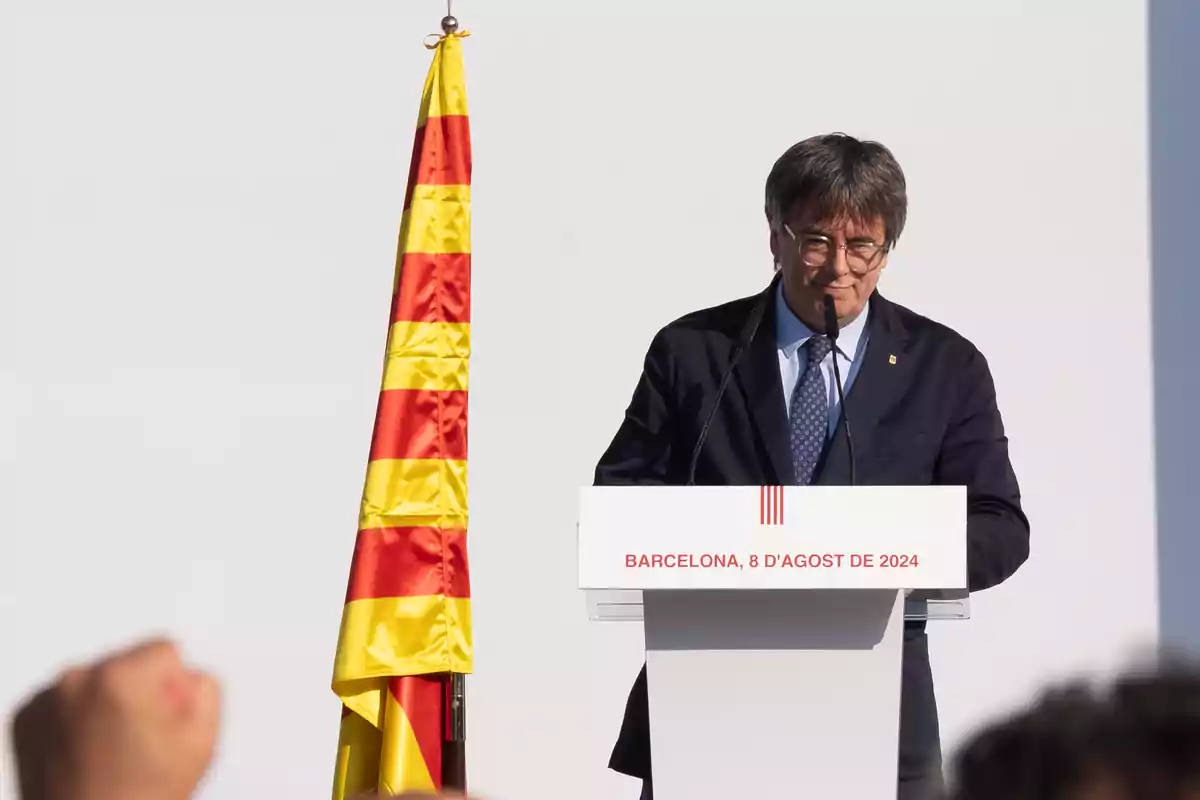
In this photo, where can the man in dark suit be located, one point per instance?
(919, 397)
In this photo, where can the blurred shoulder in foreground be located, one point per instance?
(1137, 738)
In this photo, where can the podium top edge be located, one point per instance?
(889, 489)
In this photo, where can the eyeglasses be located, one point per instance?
(816, 251)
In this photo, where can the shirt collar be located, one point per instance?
(791, 333)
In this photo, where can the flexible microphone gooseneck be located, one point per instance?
(831, 330)
(744, 339)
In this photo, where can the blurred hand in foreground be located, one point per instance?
(136, 725)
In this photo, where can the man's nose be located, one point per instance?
(837, 264)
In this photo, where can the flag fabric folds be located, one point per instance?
(406, 624)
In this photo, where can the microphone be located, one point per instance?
(744, 339)
(831, 330)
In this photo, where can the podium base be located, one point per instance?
(792, 693)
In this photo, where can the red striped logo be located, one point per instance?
(770, 505)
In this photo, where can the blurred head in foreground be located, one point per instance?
(1138, 739)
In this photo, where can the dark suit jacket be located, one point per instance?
(929, 418)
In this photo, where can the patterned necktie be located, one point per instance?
(809, 412)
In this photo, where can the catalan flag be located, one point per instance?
(406, 625)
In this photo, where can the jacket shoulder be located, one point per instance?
(932, 335)
(720, 322)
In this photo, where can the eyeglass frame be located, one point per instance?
(872, 264)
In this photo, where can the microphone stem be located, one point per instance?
(843, 420)
(749, 331)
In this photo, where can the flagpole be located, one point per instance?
(454, 744)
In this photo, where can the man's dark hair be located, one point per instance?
(1141, 734)
(840, 177)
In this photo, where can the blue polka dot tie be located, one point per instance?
(809, 412)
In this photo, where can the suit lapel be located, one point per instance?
(758, 377)
(881, 379)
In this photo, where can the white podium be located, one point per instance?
(774, 624)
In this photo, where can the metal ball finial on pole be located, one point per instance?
(449, 22)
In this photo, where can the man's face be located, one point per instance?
(839, 257)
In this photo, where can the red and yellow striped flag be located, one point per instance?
(406, 624)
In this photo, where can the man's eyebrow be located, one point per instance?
(813, 230)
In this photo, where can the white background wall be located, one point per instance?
(199, 211)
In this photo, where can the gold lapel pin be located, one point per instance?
(891, 358)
